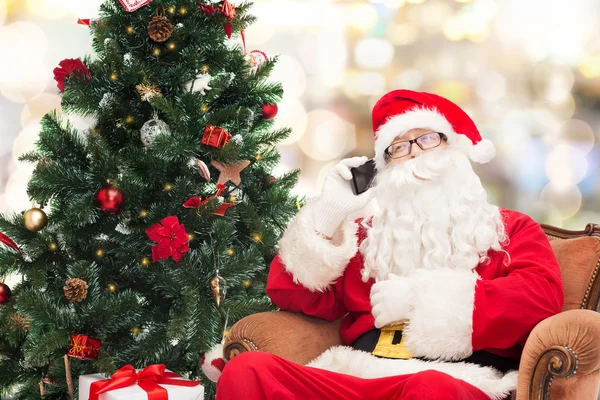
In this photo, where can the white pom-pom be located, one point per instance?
(213, 363)
(482, 152)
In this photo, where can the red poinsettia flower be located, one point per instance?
(171, 237)
(68, 66)
(205, 8)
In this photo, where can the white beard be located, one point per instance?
(444, 221)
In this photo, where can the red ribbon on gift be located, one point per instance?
(147, 379)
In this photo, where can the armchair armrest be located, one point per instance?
(562, 346)
(293, 336)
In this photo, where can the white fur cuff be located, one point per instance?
(314, 261)
(441, 323)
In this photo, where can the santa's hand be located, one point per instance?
(337, 200)
(391, 300)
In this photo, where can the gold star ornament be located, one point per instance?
(146, 91)
(230, 172)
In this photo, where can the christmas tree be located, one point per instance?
(153, 230)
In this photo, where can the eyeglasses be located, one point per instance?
(425, 142)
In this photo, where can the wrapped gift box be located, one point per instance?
(135, 392)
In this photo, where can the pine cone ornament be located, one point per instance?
(76, 290)
(160, 28)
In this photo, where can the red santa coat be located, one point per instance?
(456, 312)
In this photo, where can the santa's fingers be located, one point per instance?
(376, 311)
(354, 161)
(343, 171)
(376, 298)
(383, 286)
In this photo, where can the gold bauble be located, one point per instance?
(246, 284)
(35, 220)
(112, 288)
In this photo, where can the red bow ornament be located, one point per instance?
(148, 380)
(66, 68)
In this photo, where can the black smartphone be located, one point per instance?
(362, 177)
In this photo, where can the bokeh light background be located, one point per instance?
(528, 72)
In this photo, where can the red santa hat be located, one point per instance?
(399, 111)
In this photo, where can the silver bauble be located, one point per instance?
(151, 130)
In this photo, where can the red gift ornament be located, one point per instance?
(110, 200)
(171, 237)
(215, 136)
(84, 21)
(84, 347)
(68, 66)
(148, 379)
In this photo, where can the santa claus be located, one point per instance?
(438, 290)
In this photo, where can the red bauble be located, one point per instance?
(110, 200)
(269, 111)
(5, 293)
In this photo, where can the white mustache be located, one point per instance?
(420, 170)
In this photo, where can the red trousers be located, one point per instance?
(263, 376)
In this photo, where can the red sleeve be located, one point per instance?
(508, 308)
(290, 296)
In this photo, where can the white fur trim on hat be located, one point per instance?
(398, 125)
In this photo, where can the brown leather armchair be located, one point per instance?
(560, 361)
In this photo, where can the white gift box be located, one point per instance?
(134, 392)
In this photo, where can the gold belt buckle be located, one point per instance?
(384, 346)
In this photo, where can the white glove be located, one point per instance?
(337, 200)
(392, 299)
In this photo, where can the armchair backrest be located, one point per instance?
(578, 254)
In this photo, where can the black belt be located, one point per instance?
(368, 342)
